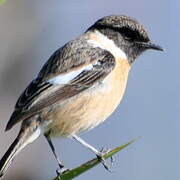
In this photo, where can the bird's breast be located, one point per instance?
(93, 106)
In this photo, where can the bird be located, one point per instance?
(79, 86)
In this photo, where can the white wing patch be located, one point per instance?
(66, 78)
(103, 42)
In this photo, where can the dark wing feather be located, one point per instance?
(83, 81)
(34, 90)
(40, 94)
(71, 56)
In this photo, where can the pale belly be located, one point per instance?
(92, 107)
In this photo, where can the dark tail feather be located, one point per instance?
(8, 156)
(23, 139)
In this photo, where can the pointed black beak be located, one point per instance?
(154, 46)
(150, 45)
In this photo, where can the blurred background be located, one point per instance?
(30, 31)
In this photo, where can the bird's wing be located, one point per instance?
(66, 74)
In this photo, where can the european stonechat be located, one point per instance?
(80, 85)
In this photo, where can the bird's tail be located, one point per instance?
(24, 138)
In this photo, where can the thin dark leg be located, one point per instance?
(54, 151)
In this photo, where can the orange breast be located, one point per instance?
(93, 106)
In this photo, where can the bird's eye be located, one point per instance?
(128, 34)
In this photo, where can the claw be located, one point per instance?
(102, 152)
(61, 171)
(103, 161)
(112, 159)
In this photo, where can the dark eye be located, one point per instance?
(128, 34)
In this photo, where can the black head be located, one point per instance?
(127, 34)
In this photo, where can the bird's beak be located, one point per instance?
(150, 45)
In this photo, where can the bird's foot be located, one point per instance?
(100, 157)
(61, 170)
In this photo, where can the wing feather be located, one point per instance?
(42, 92)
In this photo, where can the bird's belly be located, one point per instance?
(90, 108)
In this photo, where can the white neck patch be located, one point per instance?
(99, 40)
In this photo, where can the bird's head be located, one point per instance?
(128, 34)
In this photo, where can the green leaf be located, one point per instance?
(72, 173)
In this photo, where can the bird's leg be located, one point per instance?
(99, 154)
(61, 166)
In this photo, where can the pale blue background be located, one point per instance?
(31, 30)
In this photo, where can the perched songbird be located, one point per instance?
(79, 86)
